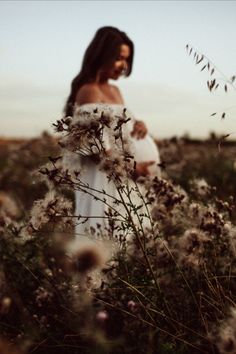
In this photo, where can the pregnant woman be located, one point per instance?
(108, 56)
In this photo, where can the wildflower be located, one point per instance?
(226, 336)
(191, 247)
(87, 255)
(52, 207)
(8, 206)
(212, 222)
(5, 305)
(48, 272)
(201, 187)
(162, 252)
(227, 227)
(105, 119)
(132, 306)
(42, 296)
(102, 316)
(194, 209)
(158, 212)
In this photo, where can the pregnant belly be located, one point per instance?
(146, 150)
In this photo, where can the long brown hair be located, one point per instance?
(102, 51)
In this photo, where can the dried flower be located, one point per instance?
(191, 247)
(5, 305)
(102, 316)
(225, 339)
(87, 255)
(132, 306)
(52, 208)
(8, 206)
(200, 186)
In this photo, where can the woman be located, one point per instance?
(109, 56)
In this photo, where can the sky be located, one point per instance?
(42, 44)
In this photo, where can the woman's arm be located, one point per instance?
(140, 128)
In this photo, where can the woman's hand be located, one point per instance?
(139, 130)
(142, 169)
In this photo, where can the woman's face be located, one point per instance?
(120, 65)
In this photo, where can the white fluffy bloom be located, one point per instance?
(191, 247)
(226, 338)
(52, 206)
(8, 206)
(88, 254)
(200, 186)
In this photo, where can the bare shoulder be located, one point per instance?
(116, 88)
(88, 93)
(118, 93)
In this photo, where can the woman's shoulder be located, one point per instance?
(118, 93)
(88, 93)
(115, 88)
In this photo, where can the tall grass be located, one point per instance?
(159, 278)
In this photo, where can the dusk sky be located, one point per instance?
(42, 44)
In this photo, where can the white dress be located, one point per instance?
(90, 210)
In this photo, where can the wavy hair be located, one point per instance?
(102, 51)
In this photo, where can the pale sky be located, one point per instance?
(42, 44)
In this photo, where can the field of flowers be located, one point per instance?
(166, 286)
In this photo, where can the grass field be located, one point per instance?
(169, 288)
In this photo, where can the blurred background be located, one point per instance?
(43, 43)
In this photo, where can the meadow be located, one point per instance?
(165, 287)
